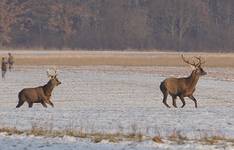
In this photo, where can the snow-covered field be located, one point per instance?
(109, 99)
(70, 143)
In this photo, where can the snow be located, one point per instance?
(109, 99)
(44, 143)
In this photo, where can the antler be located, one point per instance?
(200, 62)
(187, 62)
(51, 74)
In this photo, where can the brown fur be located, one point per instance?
(182, 87)
(39, 94)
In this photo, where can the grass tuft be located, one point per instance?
(211, 140)
(157, 139)
(177, 137)
(11, 131)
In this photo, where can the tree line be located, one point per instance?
(176, 25)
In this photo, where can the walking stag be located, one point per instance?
(39, 94)
(183, 87)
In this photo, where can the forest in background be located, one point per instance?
(176, 25)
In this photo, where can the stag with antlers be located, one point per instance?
(183, 87)
(39, 94)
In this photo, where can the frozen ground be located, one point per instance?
(70, 143)
(117, 99)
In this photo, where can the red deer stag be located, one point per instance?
(183, 87)
(39, 94)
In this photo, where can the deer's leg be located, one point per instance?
(174, 101)
(43, 104)
(47, 100)
(165, 94)
(51, 103)
(30, 104)
(20, 103)
(194, 99)
(182, 100)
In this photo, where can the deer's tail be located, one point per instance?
(21, 99)
(163, 87)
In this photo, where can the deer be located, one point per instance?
(183, 87)
(40, 94)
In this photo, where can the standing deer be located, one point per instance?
(39, 94)
(183, 87)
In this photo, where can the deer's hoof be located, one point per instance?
(167, 105)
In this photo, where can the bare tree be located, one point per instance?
(62, 17)
(9, 15)
(137, 29)
(175, 18)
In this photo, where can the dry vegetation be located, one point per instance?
(95, 137)
(72, 58)
(176, 137)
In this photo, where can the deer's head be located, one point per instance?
(52, 74)
(197, 66)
